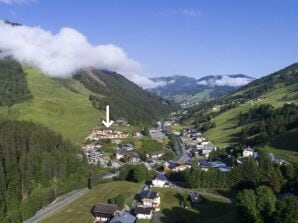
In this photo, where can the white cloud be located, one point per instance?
(226, 81)
(232, 81)
(9, 2)
(203, 82)
(61, 54)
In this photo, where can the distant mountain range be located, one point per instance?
(189, 91)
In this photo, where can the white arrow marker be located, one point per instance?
(107, 123)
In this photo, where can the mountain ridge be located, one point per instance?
(72, 106)
(189, 90)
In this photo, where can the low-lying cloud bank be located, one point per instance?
(62, 54)
(226, 81)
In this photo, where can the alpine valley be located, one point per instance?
(189, 91)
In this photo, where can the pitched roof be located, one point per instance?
(143, 210)
(105, 208)
(123, 217)
(124, 152)
(161, 177)
(148, 194)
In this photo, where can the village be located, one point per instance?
(195, 149)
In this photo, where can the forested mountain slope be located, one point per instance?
(126, 99)
(282, 78)
(13, 84)
(36, 166)
(72, 106)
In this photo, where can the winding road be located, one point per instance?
(41, 214)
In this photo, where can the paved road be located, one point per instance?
(182, 189)
(184, 156)
(156, 217)
(54, 207)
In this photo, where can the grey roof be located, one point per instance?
(194, 196)
(161, 177)
(143, 210)
(148, 194)
(123, 217)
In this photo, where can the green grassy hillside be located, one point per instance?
(276, 89)
(227, 122)
(56, 107)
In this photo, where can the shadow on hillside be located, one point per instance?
(234, 138)
(230, 194)
(287, 141)
(207, 211)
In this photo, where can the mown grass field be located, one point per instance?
(79, 211)
(56, 107)
(210, 211)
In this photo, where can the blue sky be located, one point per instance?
(169, 37)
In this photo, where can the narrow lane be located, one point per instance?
(50, 209)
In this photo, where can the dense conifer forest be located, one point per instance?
(13, 84)
(263, 122)
(36, 166)
(125, 98)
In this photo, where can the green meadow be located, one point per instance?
(79, 210)
(56, 107)
(209, 211)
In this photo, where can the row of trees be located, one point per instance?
(36, 166)
(250, 174)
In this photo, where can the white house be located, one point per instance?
(150, 199)
(247, 152)
(159, 181)
(155, 154)
(143, 212)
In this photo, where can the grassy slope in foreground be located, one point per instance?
(56, 107)
(211, 210)
(80, 210)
